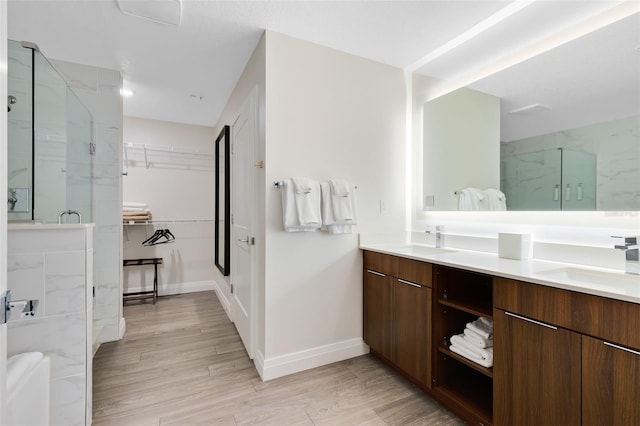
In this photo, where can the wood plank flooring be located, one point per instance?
(181, 362)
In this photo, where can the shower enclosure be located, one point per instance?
(50, 142)
(552, 179)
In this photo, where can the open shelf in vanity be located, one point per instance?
(461, 297)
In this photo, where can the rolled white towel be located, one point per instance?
(476, 339)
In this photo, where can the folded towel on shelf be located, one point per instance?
(471, 356)
(307, 200)
(476, 339)
(472, 199)
(342, 196)
(487, 321)
(135, 204)
(481, 328)
(496, 200)
(135, 209)
(329, 222)
(290, 216)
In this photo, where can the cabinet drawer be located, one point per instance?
(613, 320)
(414, 271)
(381, 262)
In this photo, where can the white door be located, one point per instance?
(3, 209)
(244, 137)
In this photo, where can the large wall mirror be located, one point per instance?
(222, 204)
(559, 131)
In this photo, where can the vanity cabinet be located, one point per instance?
(610, 383)
(397, 313)
(536, 374)
(560, 357)
(564, 357)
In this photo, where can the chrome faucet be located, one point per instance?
(439, 235)
(631, 250)
(69, 212)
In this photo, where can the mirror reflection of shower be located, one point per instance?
(49, 140)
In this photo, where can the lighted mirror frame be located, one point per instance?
(223, 202)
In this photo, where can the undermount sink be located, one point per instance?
(591, 277)
(422, 250)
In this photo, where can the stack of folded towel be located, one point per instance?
(135, 211)
(476, 342)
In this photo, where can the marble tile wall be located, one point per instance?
(99, 90)
(617, 146)
(55, 267)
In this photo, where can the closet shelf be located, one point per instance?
(165, 222)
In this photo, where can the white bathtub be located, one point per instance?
(28, 389)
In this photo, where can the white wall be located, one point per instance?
(461, 145)
(99, 90)
(176, 187)
(329, 115)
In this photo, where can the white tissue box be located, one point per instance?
(514, 246)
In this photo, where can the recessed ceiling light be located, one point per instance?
(126, 92)
(162, 11)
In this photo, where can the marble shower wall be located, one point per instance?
(53, 263)
(99, 91)
(617, 147)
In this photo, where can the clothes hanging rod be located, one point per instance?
(277, 184)
(165, 148)
(166, 221)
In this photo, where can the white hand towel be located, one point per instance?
(290, 211)
(496, 200)
(487, 321)
(475, 353)
(481, 328)
(307, 196)
(134, 204)
(477, 339)
(471, 357)
(329, 223)
(472, 199)
(342, 195)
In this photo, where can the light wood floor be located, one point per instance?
(181, 362)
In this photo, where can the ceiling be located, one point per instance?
(186, 73)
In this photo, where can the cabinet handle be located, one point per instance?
(376, 273)
(622, 348)
(530, 320)
(410, 283)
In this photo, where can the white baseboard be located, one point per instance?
(177, 288)
(226, 303)
(272, 368)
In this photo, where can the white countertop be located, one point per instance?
(609, 283)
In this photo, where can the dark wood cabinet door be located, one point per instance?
(536, 373)
(377, 313)
(413, 330)
(610, 384)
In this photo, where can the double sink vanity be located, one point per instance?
(566, 339)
